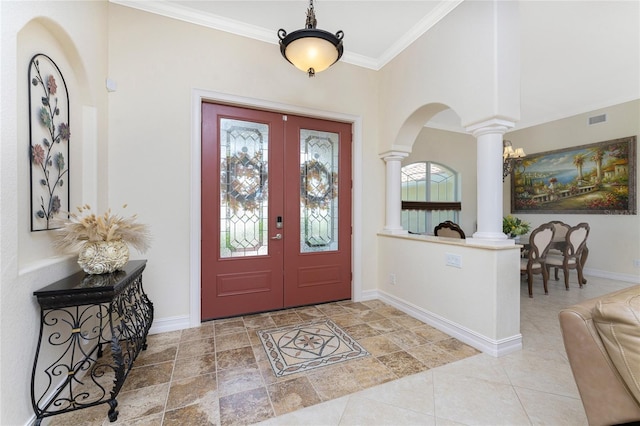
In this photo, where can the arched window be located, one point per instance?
(430, 195)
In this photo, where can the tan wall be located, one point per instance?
(476, 74)
(157, 62)
(458, 151)
(614, 240)
(74, 34)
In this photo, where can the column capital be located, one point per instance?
(493, 125)
(393, 155)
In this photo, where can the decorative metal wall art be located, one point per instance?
(49, 135)
(598, 178)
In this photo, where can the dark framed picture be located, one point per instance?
(598, 178)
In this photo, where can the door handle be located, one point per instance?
(277, 237)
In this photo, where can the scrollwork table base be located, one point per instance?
(92, 328)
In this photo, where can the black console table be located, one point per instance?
(92, 328)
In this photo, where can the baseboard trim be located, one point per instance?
(162, 325)
(489, 346)
(635, 279)
(496, 348)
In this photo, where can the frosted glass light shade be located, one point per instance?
(508, 152)
(313, 53)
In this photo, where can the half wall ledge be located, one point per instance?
(473, 290)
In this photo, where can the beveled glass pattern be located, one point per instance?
(243, 188)
(318, 191)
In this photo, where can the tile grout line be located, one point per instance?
(214, 333)
(173, 369)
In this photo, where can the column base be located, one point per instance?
(395, 231)
(491, 239)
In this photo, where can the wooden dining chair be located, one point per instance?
(572, 255)
(449, 229)
(539, 243)
(561, 229)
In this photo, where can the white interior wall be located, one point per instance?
(477, 302)
(74, 35)
(462, 76)
(421, 81)
(577, 56)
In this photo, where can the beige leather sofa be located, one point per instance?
(602, 340)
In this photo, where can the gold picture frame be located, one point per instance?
(598, 178)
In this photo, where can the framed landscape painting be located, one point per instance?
(598, 178)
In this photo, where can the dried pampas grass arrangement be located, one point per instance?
(86, 226)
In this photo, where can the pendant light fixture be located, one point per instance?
(309, 49)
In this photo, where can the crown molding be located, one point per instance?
(183, 13)
(186, 14)
(425, 24)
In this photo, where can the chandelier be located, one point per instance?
(510, 158)
(311, 50)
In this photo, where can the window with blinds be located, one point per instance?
(430, 195)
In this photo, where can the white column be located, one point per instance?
(489, 179)
(393, 220)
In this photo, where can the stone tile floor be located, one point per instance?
(218, 373)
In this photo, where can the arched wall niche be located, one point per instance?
(71, 53)
(46, 36)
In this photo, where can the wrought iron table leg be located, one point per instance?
(113, 413)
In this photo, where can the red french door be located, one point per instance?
(276, 211)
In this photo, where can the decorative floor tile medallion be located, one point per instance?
(303, 347)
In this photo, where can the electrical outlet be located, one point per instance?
(454, 260)
(392, 279)
(636, 263)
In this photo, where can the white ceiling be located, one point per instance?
(374, 31)
(576, 56)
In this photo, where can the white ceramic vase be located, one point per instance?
(103, 257)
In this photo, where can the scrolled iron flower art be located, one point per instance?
(318, 186)
(243, 181)
(49, 156)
